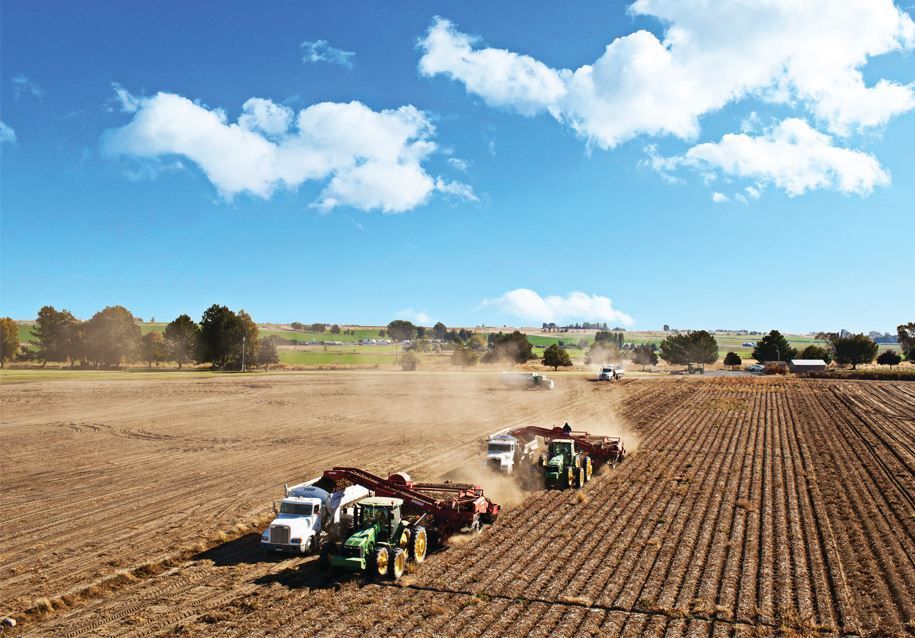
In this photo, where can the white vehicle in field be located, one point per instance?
(610, 373)
(308, 515)
(755, 367)
(526, 380)
(503, 452)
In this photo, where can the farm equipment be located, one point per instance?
(527, 380)
(504, 452)
(309, 514)
(572, 457)
(610, 373)
(402, 520)
(694, 369)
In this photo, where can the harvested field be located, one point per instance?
(752, 507)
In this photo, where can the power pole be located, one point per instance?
(243, 353)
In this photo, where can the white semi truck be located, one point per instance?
(609, 372)
(526, 380)
(308, 515)
(504, 452)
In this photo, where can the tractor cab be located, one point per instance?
(381, 512)
(564, 448)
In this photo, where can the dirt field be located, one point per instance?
(752, 507)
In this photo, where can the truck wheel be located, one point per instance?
(398, 564)
(419, 544)
(382, 561)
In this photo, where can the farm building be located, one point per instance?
(806, 365)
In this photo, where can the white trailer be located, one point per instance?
(308, 515)
(504, 452)
(526, 380)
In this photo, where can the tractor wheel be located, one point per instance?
(382, 561)
(577, 461)
(589, 469)
(570, 477)
(398, 564)
(419, 544)
(580, 477)
(327, 553)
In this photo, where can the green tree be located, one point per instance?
(181, 337)
(855, 349)
(409, 361)
(439, 330)
(889, 358)
(643, 355)
(9, 339)
(55, 335)
(251, 345)
(513, 347)
(464, 357)
(690, 347)
(153, 348)
(556, 356)
(335, 329)
(221, 333)
(111, 337)
(815, 352)
(318, 327)
(906, 336)
(267, 354)
(773, 347)
(296, 325)
(401, 330)
(732, 359)
(477, 342)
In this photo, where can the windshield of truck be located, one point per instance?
(372, 515)
(607, 370)
(499, 448)
(296, 509)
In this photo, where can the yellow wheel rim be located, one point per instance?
(382, 561)
(419, 546)
(400, 563)
(404, 538)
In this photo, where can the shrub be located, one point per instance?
(409, 361)
(889, 358)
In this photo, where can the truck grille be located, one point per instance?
(279, 534)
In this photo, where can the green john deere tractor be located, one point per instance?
(565, 466)
(381, 543)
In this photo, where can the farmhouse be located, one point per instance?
(806, 365)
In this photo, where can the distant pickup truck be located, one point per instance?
(523, 380)
(610, 373)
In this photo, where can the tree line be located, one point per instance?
(226, 339)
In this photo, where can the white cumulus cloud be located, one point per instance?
(7, 134)
(321, 51)
(527, 305)
(418, 317)
(719, 198)
(368, 159)
(791, 156)
(711, 54)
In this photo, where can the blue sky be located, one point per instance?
(456, 162)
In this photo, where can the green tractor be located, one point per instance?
(565, 466)
(381, 543)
